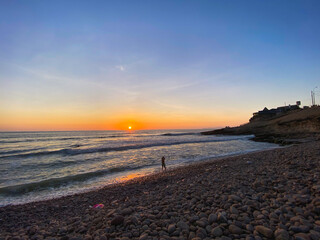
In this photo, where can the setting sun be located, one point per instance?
(129, 127)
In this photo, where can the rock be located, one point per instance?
(235, 229)
(281, 234)
(301, 236)
(233, 210)
(250, 237)
(273, 216)
(299, 229)
(201, 233)
(225, 238)
(135, 233)
(134, 220)
(235, 198)
(256, 213)
(127, 235)
(267, 232)
(222, 218)
(145, 227)
(316, 188)
(126, 211)
(193, 219)
(171, 228)
(176, 232)
(212, 218)
(182, 225)
(82, 230)
(201, 223)
(208, 228)
(216, 232)
(143, 236)
(192, 235)
(33, 230)
(314, 235)
(249, 227)
(117, 220)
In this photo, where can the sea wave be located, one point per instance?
(77, 151)
(62, 181)
(179, 134)
(59, 139)
(120, 135)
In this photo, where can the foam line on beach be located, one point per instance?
(62, 181)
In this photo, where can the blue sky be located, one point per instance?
(166, 64)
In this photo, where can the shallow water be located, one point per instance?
(41, 165)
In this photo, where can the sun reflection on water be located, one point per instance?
(130, 176)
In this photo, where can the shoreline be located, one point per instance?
(153, 174)
(213, 198)
(141, 173)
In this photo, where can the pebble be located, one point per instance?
(212, 218)
(126, 211)
(216, 232)
(234, 229)
(182, 225)
(117, 220)
(143, 237)
(299, 229)
(201, 233)
(233, 210)
(201, 223)
(267, 232)
(222, 218)
(171, 228)
(281, 234)
(235, 198)
(301, 236)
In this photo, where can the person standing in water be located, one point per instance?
(163, 163)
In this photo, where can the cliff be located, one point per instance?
(294, 126)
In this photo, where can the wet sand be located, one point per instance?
(274, 194)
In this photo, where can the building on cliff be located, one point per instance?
(270, 113)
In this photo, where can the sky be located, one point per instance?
(107, 65)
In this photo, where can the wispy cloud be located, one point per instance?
(121, 68)
(77, 81)
(169, 105)
(182, 85)
(49, 76)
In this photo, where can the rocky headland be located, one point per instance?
(294, 126)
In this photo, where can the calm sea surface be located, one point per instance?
(41, 165)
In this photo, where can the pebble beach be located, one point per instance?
(272, 194)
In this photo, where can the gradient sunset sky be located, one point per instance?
(84, 65)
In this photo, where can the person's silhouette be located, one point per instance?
(163, 163)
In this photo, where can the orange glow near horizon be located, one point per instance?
(62, 121)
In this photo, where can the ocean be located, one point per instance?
(43, 165)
